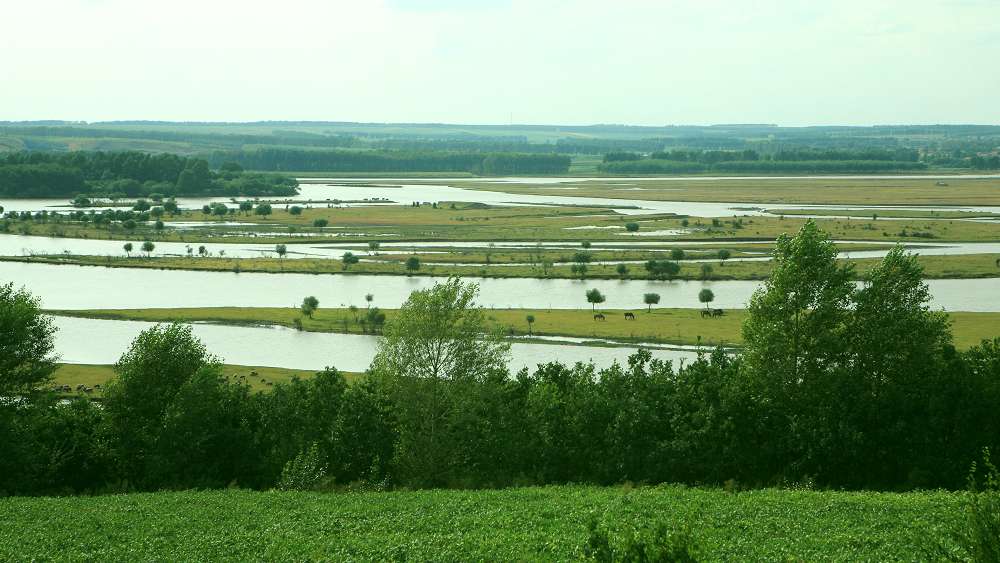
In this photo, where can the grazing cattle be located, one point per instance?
(718, 312)
(629, 316)
(599, 317)
(706, 313)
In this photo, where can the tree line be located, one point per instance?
(129, 174)
(838, 385)
(281, 159)
(660, 166)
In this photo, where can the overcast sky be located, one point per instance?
(791, 62)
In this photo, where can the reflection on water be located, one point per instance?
(283, 347)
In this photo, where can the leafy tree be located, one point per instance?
(263, 209)
(677, 254)
(148, 247)
(246, 207)
(579, 269)
(295, 210)
(171, 207)
(349, 259)
(320, 223)
(724, 255)
(632, 227)
(429, 359)
(622, 270)
(141, 205)
(369, 297)
(128, 248)
(650, 299)
(660, 269)
(309, 306)
(594, 297)
(281, 250)
(206, 210)
(585, 244)
(706, 296)
(412, 264)
(220, 210)
(373, 246)
(26, 343)
(160, 361)
(531, 321)
(156, 212)
(706, 271)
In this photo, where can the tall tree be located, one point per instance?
(26, 342)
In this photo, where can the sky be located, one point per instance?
(816, 62)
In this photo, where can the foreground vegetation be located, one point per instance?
(526, 524)
(667, 326)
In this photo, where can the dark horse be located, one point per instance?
(599, 317)
(629, 316)
(706, 313)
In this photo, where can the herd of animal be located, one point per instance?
(631, 316)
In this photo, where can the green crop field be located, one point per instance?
(526, 524)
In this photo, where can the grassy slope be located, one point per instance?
(676, 326)
(544, 524)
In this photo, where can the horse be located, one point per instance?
(629, 316)
(718, 312)
(706, 313)
(599, 317)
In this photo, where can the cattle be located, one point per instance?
(629, 316)
(599, 317)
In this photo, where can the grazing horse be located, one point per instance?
(629, 316)
(706, 313)
(599, 317)
(718, 312)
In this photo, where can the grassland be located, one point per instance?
(961, 266)
(523, 524)
(824, 190)
(667, 326)
(257, 377)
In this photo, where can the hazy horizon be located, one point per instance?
(497, 62)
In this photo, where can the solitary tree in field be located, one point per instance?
(295, 210)
(281, 250)
(309, 306)
(531, 321)
(677, 254)
(202, 251)
(706, 296)
(372, 247)
(128, 249)
(585, 244)
(706, 271)
(622, 270)
(579, 269)
(263, 209)
(650, 299)
(632, 227)
(724, 255)
(369, 298)
(148, 247)
(594, 297)
(349, 259)
(320, 223)
(412, 264)
(206, 210)
(246, 207)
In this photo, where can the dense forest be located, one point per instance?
(128, 174)
(299, 160)
(837, 385)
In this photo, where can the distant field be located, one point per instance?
(521, 524)
(825, 190)
(671, 326)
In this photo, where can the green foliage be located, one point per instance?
(632, 227)
(595, 297)
(706, 296)
(309, 306)
(306, 472)
(512, 524)
(26, 343)
(660, 544)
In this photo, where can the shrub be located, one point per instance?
(977, 536)
(659, 544)
(305, 472)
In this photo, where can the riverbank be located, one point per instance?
(661, 326)
(96, 376)
(967, 266)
